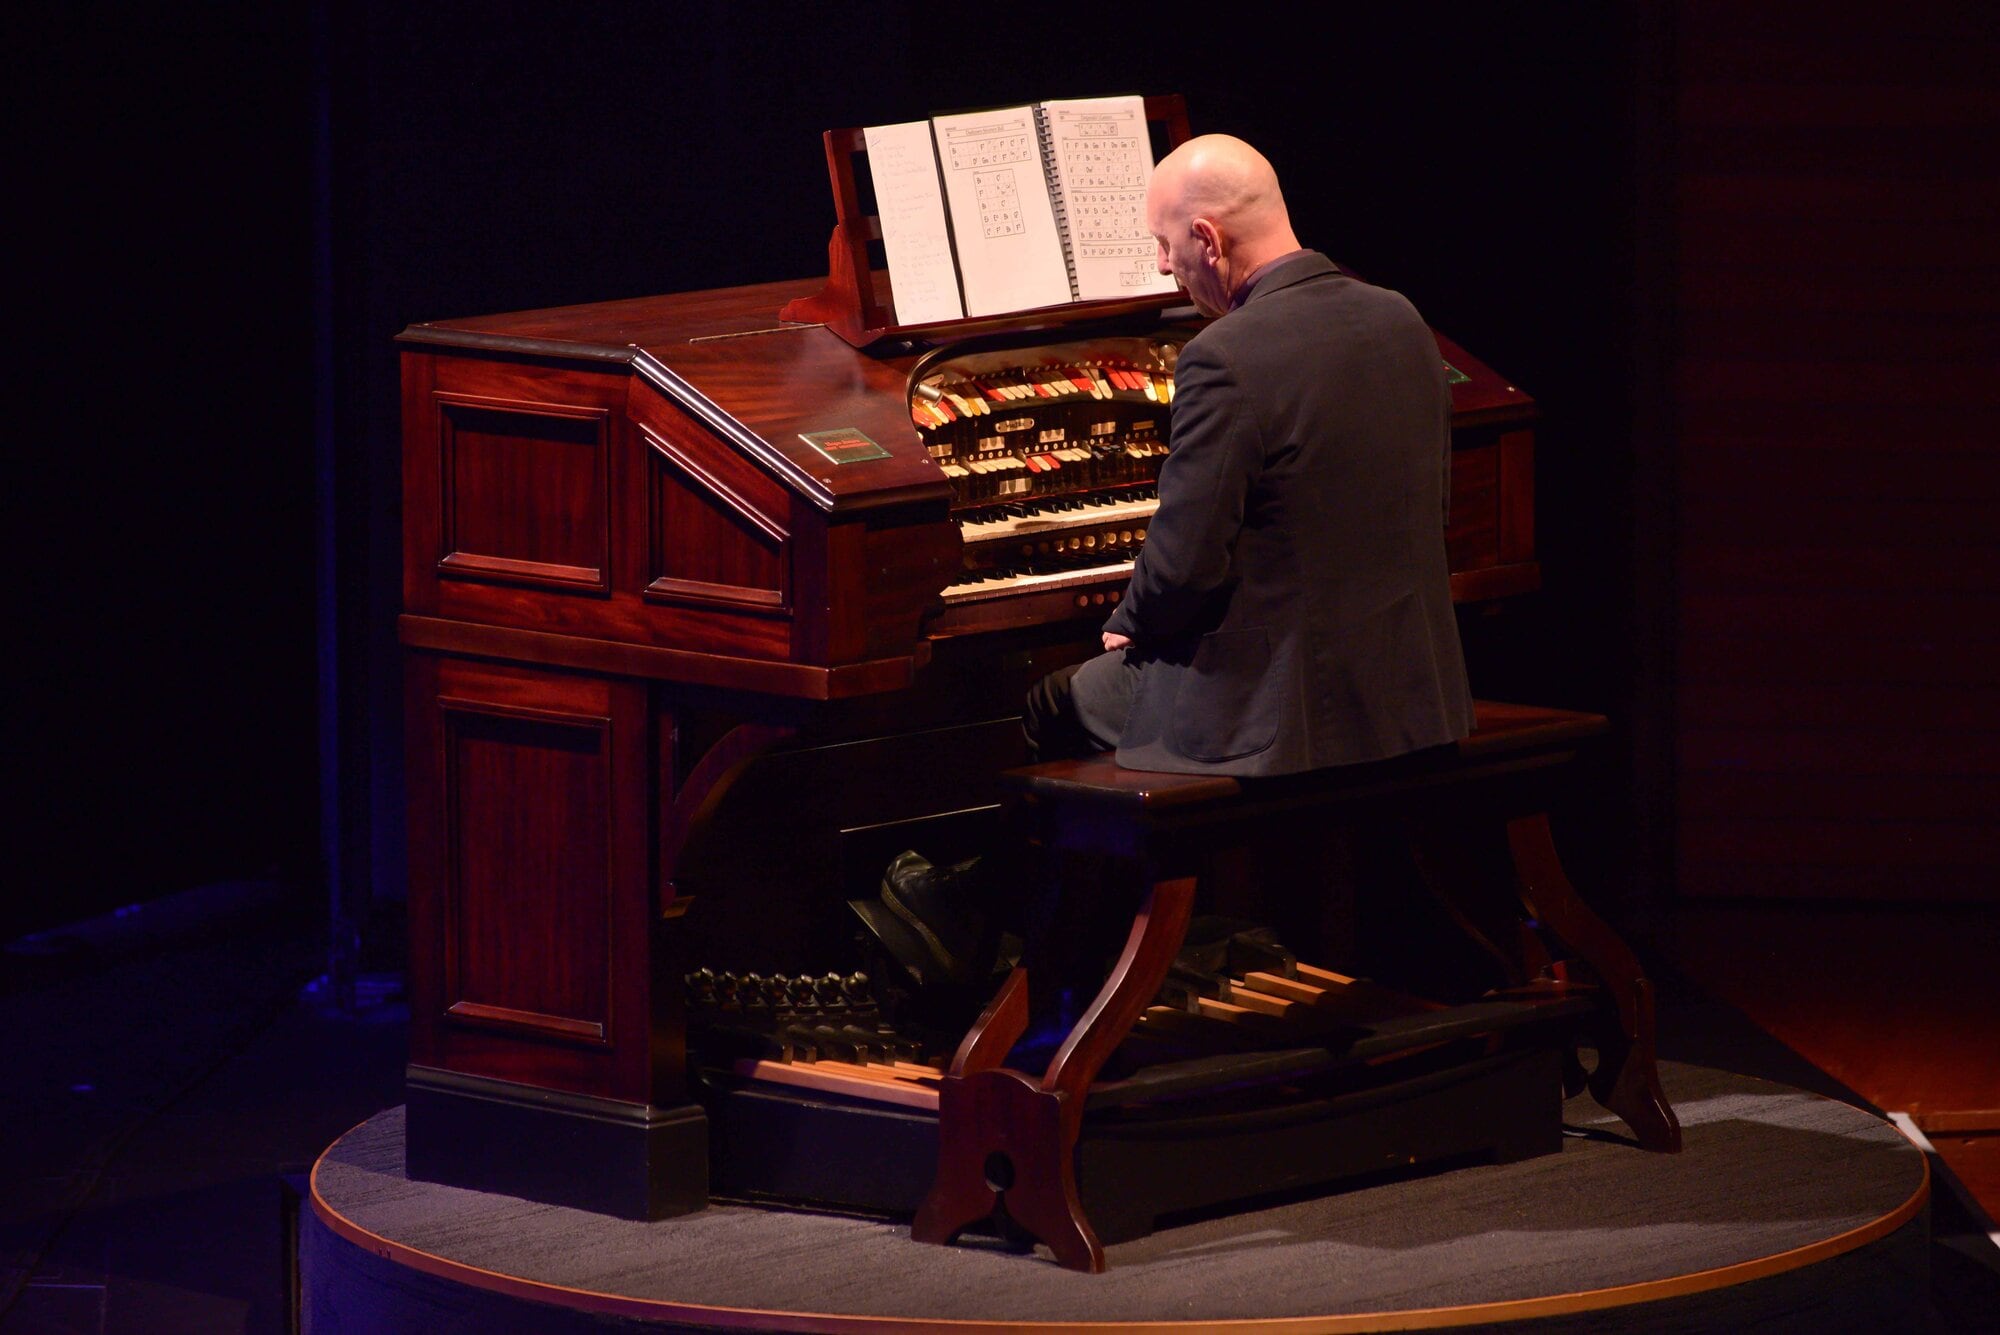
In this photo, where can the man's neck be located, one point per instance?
(1241, 288)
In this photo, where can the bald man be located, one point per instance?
(1291, 608)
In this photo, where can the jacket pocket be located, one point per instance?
(1227, 706)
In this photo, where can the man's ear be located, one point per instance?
(1210, 238)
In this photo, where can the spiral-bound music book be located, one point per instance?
(1014, 208)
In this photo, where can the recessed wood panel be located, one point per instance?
(529, 840)
(710, 541)
(525, 493)
(1472, 535)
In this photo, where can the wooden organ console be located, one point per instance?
(711, 603)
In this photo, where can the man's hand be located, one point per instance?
(1113, 640)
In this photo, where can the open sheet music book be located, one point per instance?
(990, 212)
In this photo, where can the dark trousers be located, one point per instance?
(1080, 710)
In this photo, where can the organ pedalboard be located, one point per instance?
(1233, 989)
(827, 1033)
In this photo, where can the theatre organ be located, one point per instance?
(711, 603)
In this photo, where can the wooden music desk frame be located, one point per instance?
(1009, 1139)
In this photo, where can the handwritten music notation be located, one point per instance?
(1016, 208)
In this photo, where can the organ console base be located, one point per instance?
(1372, 1082)
(634, 1161)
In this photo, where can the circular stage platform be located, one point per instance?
(1785, 1210)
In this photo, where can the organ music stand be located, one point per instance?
(855, 302)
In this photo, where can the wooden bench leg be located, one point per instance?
(1007, 1141)
(1448, 865)
(1006, 1144)
(1462, 885)
(1159, 929)
(1627, 1079)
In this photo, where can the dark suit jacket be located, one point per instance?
(1291, 608)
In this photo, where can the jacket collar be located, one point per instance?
(1285, 271)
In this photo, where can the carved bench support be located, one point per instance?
(1509, 921)
(1626, 1080)
(1006, 1141)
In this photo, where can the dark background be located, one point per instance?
(249, 202)
(235, 208)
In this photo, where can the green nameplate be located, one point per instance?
(845, 446)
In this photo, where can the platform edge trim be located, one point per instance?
(1419, 1318)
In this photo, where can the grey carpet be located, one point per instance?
(1767, 1168)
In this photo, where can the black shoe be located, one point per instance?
(944, 908)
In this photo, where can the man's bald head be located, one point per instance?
(1216, 212)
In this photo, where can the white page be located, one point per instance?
(923, 282)
(1104, 161)
(1003, 224)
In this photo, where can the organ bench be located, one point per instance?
(1483, 1076)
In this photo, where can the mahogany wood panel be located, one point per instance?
(532, 881)
(624, 612)
(1836, 303)
(713, 537)
(526, 493)
(528, 859)
(1472, 530)
(789, 680)
(727, 351)
(610, 329)
(1516, 505)
(902, 566)
(595, 508)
